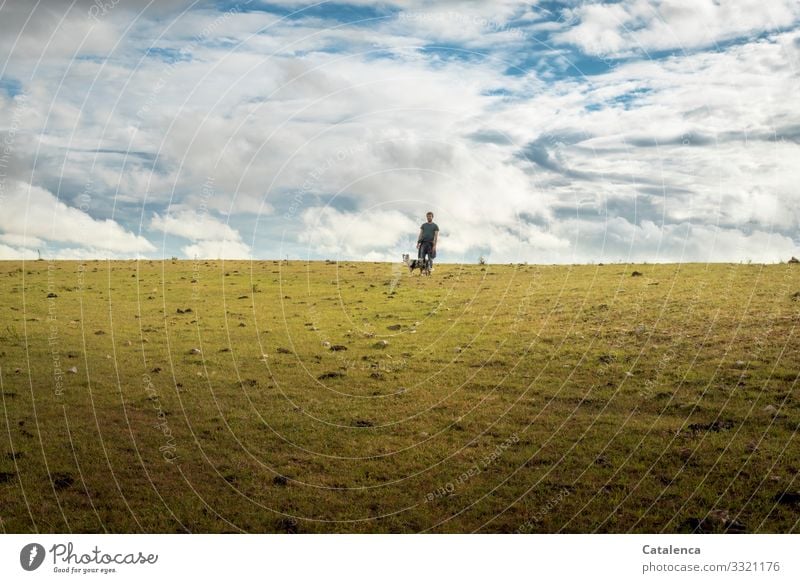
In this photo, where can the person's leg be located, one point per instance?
(427, 256)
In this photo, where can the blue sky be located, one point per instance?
(549, 132)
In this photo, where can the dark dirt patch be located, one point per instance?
(714, 427)
(287, 525)
(789, 498)
(62, 480)
(710, 525)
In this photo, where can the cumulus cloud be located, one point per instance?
(327, 230)
(9, 252)
(191, 224)
(217, 250)
(621, 28)
(32, 214)
(211, 238)
(620, 240)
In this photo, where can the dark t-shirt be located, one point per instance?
(428, 230)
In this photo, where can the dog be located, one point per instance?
(423, 266)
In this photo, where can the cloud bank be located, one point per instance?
(653, 130)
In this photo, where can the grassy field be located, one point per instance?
(352, 397)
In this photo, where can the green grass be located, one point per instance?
(512, 398)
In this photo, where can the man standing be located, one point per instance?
(428, 237)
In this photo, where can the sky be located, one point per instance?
(541, 132)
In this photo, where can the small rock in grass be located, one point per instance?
(281, 350)
(195, 351)
(73, 370)
(770, 410)
(338, 347)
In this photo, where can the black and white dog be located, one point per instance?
(423, 266)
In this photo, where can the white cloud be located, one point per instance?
(34, 213)
(211, 238)
(7, 252)
(418, 130)
(648, 25)
(21, 240)
(619, 240)
(217, 250)
(195, 225)
(355, 235)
